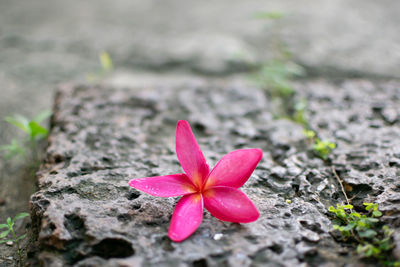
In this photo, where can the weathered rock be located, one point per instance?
(85, 214)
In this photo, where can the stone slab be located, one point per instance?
(85, 214)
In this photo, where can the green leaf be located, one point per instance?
(3, 225)
(9, 221)
(37, 129)
(337, 221)
(368, 206)
(375, 251)
(377, 213)
(349, 227)
(13, 149)
(331, 145)
(355, 214)
(21, 237)
(19, 121)
(367, 234)
(385, 245)
(349, 207)
(372, 220)
(4, 233)
(20, 216)
(341, 213)
(368, 252)
(105, 61)
(309, 134)
(336, 227)
(269, 15)
(323, 148)
(43, 115)
(5, 241)
(332, 209)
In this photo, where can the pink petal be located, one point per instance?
(187, 217)
(230, 204)
(164, 186)
(189, 154)
(234, 168)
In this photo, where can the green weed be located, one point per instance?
(9, 234)
(321, 148)
(276, 75)
(364, 229)
(33, 130)
(106, 67)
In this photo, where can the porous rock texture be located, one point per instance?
(85, 214)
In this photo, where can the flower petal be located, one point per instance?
(230, 204)
(189, 154)
(234, 168)
(164, 186)
(187, 217)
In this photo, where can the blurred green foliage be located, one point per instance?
(106, 67)
(33, 131)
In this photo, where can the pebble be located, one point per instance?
(218, 236)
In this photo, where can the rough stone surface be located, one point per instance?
(38, 51)
(86, 215)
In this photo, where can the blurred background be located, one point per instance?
(47, 42)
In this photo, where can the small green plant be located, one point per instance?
(13, 149)
(32, 128)
(276, 75)
(106, 65)
(321, 148)
(106, 62)
(299, 115)
(372, 240)
(34, 133)
(9, 226)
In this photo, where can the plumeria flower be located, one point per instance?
(217, 190)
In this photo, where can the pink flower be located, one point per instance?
(217, 190)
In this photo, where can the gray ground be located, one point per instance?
(45, 42)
